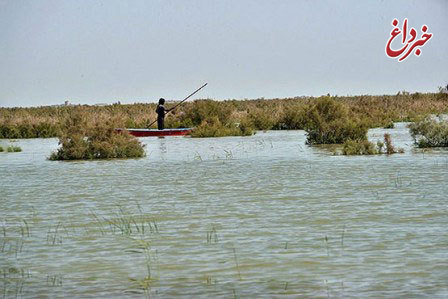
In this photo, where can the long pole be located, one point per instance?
(194, 92)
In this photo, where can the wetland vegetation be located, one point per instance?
(11, 149)
(240, 117)
(430, 132)
(328, 122)
(365, 147)
(86, 139)
(250, 216)
(87, 132)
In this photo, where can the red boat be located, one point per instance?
(157, 133)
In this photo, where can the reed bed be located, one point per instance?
(328, 122)
(231, 117)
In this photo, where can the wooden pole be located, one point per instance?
(194, 92)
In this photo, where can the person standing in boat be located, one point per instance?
(161, 112)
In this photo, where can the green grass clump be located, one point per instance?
(293, 118)
(359, 147)
(389, 125)
(328, 122)
(13, 149)
(430, 132)
(365, 147)
(214, 128)
(261, 119)
(83, 139)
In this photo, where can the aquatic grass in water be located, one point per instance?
(11, 149)
(14, 149)
(126, 223)
(236, 263)
(15, 234)
(150, 261)
(212, 236)
(55, 235)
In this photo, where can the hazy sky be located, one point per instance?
(137, 51)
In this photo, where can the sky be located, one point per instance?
(104, 51)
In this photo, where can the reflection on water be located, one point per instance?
(162, 145)
(230, 217)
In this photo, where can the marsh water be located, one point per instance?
(249, 217)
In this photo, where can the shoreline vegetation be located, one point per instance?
(235, 117)
(88, 132)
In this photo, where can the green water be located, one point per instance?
(250, 217)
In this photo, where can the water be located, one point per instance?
(260, 216)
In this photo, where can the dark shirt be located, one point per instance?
(160, 112)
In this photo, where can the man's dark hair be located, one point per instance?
(161, 101)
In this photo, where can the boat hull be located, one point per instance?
(157, 133)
